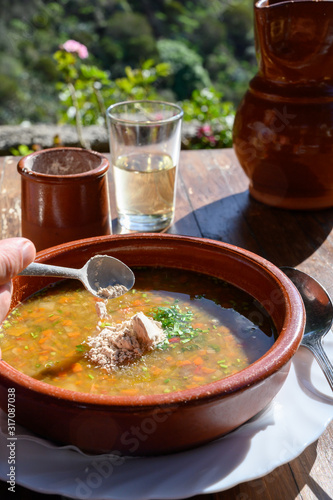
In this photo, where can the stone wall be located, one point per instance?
(47, 136)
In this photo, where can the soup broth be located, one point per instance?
(213, 328)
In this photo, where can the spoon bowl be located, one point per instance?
(100, 273)
(319, 316)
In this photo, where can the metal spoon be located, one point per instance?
(319, 316)
(100, 272)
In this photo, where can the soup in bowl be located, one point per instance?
(231, 323)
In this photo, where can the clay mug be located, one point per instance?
(64, 196)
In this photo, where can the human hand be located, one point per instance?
(15, 255)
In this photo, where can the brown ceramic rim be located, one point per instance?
(40, 177)
(271, 362)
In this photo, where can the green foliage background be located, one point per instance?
(207, 43)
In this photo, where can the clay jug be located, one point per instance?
(283, 130)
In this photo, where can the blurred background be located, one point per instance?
(199, 53)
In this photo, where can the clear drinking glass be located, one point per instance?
(145, 139)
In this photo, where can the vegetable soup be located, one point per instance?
(213, 330)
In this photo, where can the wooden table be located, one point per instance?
(213, 202)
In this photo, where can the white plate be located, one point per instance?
(297, 417)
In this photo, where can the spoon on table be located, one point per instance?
(102, 275)
(319, 316)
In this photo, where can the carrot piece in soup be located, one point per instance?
(183, 362)
(77, 367)
(204, 369)
(129, 392)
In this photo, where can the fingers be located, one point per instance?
(15, 255)
(5, 299)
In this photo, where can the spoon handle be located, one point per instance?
(37, 269)
(318, 351)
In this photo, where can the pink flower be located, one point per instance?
(204, 131)
(207, 129)
(212, 139)
(74, 46)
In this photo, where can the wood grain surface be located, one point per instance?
(213, 202)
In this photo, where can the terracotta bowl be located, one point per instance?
(158, 424)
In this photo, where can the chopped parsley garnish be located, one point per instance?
(176, 323)
(80, 348)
